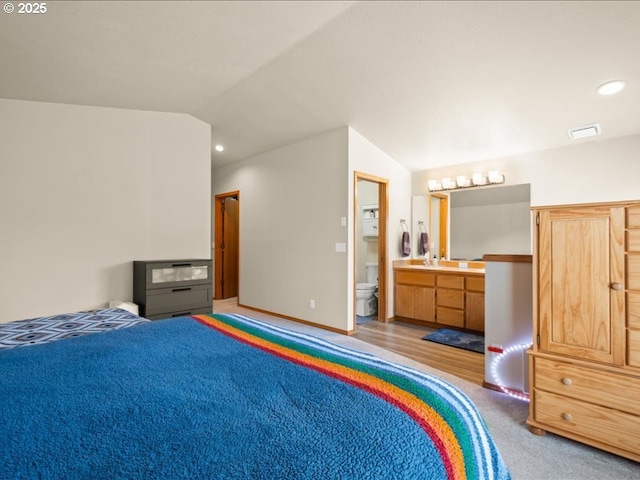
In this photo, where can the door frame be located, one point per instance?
(217, 251)
(383, 207)
(443, 226)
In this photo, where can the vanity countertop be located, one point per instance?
(443, 269)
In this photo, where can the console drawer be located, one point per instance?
(451, 281)
(475, 283)
(448, 316)
(415, 278)
(162, 300)
(450, 298)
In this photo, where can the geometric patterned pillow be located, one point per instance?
(39, 330)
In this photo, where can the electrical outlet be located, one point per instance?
(312, 303)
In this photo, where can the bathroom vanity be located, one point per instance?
(446, 295)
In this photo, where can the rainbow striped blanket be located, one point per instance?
(227, 396)
(462, 445)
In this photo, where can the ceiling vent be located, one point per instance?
(585, 131)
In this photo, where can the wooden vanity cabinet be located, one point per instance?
(446, 298)
(415, 295)
(585, 361)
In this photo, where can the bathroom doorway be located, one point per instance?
(370, 248)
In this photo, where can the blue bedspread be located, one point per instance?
(230, 397)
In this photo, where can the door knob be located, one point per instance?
(616, 286)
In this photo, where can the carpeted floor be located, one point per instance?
(528, 457)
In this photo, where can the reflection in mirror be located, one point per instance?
(490, 220)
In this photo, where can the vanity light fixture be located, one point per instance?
(435, 186)
(479, 179)
(496, 177)
(611, 88)
(448, 184)
(219, 148)
(462, 181)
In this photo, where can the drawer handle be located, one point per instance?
(180, 264)
(616, 286)
(567, 381)
(567, 416)
(185, 289)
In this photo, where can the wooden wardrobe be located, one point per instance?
(584, 366)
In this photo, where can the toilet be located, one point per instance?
(366, 298)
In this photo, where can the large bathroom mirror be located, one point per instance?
(467, 224)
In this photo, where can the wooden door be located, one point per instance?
(580, 282)
(227, 245)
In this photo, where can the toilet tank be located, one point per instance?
(372, 272)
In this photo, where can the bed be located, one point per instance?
(227, 396)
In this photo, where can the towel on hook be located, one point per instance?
(406, 244)
(423, 245)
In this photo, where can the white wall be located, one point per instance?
(84, 191)
(587, 172)
(291, 202)
(365, 157)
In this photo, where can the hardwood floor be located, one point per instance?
(402, 338)
(406, 339)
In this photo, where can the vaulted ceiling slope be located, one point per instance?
(430, 83)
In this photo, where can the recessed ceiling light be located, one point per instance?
(586, 131)
(612, 87)
(219, 148)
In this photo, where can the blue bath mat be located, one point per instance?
(455, 338)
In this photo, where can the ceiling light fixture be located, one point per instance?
(585, 131)
(611, 88)
(219, 148)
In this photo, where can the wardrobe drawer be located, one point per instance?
(633, 348)
(633, 309)
(633, 240)
(633, 216)
(162, 300)
(633, 271)
(451, 281)
(601, 387)
(619, 429)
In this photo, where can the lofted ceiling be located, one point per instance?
(430, 83)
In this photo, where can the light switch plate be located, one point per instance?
(341, 247)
